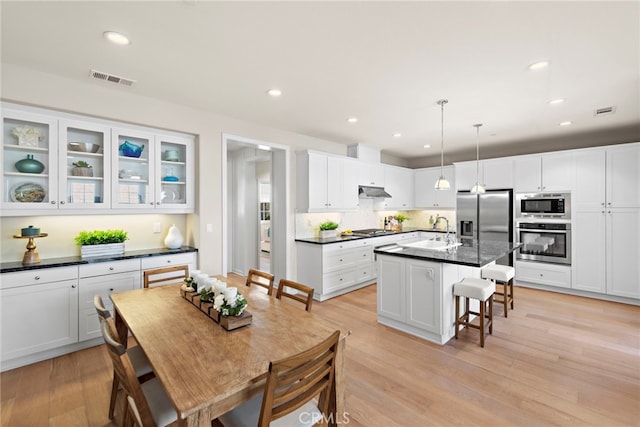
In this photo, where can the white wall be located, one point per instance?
(105, 100)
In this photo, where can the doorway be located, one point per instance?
(255, 197)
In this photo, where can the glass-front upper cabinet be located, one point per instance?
(175, 174)
(133, 158)
(84, 165)
(28, 159)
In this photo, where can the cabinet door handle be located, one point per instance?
(110, 268)
(62, 202)
(609, 212)
(609, 203)
(73, 286)
(168, 261)
(157, 203)
(110, 289)
(37, 277)
(340, 259)
(53, 202)
(602, 203)
(151, 203)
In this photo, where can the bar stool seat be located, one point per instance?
(481, 290)
(502, 275)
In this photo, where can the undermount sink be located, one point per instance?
(434, 245)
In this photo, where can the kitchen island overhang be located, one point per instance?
(415, 286)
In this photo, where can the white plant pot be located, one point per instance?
(324, 234)
(102, 250)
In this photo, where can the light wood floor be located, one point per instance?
(557, 360)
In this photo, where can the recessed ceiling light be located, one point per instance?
(274, 92)
(427, 145)
(539, 65)
(556, 101)
(397, 135)
(567, 123)
(117, 38)
(352, 120)
(264, 147)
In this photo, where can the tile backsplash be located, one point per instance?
(367, 217)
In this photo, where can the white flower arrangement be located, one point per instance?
(230, 302)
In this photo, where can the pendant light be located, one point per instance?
(478, 188)
(442, 183)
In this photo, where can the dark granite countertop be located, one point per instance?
(473, 253)
(320, 241)
(9, 267)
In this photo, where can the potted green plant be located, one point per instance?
(101, 242)
(81, 168)
(328, 229)
(401, 218)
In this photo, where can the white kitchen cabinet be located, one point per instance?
(102, 279)
(322, 183)
(606, 221)
(392, 299)
(423, 295)
(39, 311)
(495, 174)
(21, 192)
(114, 182)
(547, 172)
(426, 196)
(398, 183)
(544, 273)
(371, 174)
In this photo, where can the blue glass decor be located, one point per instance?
(129, 149)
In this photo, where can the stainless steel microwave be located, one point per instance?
(543, 205)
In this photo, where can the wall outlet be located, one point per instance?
(157, 227)
(209, 228)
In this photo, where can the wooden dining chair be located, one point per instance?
(260, 278)
(147, 403)
(165, 275)
(305, 290)
(292, 384)
(139, 361)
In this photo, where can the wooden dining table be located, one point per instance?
(207, 370)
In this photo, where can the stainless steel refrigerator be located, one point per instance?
(486, 216)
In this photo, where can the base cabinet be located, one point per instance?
(38, 317)
(543, 273)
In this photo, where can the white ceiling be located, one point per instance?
(386, 63)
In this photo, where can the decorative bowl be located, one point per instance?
(29, 192)
(83, 147)
(129, 149)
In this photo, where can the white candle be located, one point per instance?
(230, 294)
(220, 287)
(210, 283)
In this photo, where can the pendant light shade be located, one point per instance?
(478, 188)
(442, 183)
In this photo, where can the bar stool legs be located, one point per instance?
(502, 275)
(481, 290)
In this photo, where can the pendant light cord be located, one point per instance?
(478, 153)
(442, 102)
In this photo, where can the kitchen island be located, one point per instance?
(415, 285)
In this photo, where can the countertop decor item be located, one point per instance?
(328, 229)
(28, 192)
(30, 231)
(174, 238)
(101, 242)
(29, 165)
(83, 147)
(31, 256)
(171, 178)
(129, 149)
(81, 168)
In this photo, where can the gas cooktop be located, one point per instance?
(371, 232)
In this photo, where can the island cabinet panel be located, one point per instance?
(423, 291)
(391, 299)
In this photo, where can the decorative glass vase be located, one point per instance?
(29, 165)
(174, 238)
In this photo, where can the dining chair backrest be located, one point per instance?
(295, 380)
(304, 294)
(104, 314)
(126, 373)
(260, 278)
(165, 275)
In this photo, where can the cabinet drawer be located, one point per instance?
(338, 259)
(336, 281)
(109, 267)
(34, 277)
(364, 255)
(544, 274)
(169, 260)
(106, 285)
(365, 272)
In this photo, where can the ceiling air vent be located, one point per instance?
(604, 111)
(111, 78)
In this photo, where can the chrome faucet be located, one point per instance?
(447, 237)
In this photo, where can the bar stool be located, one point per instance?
(481, 290)
(502, 275)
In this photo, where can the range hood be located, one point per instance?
(366, 191)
